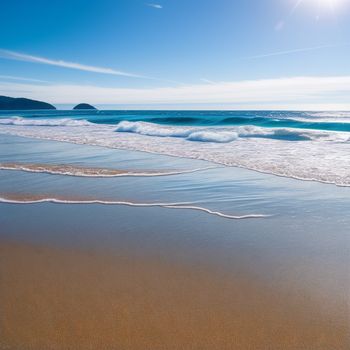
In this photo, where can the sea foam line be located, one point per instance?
(219, 163)
(71, 170)
(277, 157)
(179, 205)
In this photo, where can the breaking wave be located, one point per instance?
(222, 131)
(219, 134)
(315, 155)
(44, 122)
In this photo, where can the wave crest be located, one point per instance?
(212, 136)
(322, 156)
(44, 122)
(217, 134)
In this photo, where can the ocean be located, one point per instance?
(302, 145)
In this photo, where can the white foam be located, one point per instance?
(189, 133)
(323, 117)
(214, 134)
(183, 206)
(335, 114)
(324, 157)
(43, 122)
(149, 129)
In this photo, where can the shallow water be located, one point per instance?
(226, 189)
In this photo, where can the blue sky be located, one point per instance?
(261, 54)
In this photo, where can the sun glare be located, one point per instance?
(328, 3)
(320, 5)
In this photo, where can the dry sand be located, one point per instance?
(55, 298)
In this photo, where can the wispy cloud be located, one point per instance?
(292, 93)
(156, 6)
(11, 77)
(207, 81)
(12, 55)
(305, 49)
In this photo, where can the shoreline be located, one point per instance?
(32, 199)
(93, 276)
(240, 163)
(81, 171)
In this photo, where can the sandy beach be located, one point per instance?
(55, 298)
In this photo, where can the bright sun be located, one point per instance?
(321, 5)
(328, 3)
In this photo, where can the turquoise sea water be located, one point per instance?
(336, 121)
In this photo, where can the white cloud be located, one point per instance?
(156, 6)
(294, 93)
(11, 77)
(305, 49)
(12, 55)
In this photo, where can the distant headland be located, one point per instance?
(21, 103)
(84, 106)
(12, 103)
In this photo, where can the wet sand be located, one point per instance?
(65, 298)
(80, 171)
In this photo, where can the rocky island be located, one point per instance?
(84, 106)
(12, 103)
